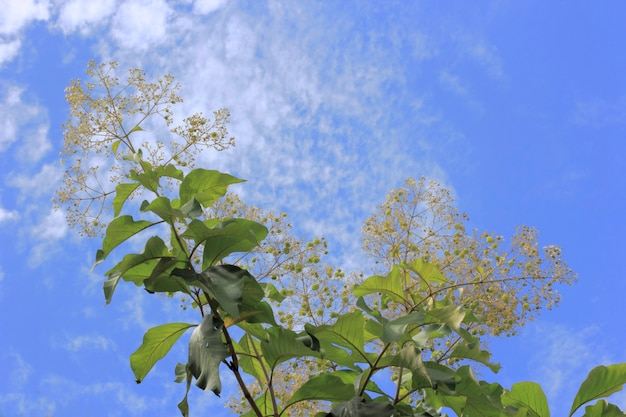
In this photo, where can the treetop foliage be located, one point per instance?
(298, 335)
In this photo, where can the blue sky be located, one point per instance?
(518, 107)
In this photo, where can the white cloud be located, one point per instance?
(487, 56)
(207, 6)
(9, 50)
(21, 119)
(41, 183)
(53, 226)
(141, 24)
(18, 14)
(93, 342)
(563, 357)
(452, 82)
(8, 215)
(36, 144)
(84, 15)
(599, 112)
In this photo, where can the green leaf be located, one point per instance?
(137, 128)
(180, 371)
(162, 207)
(161, 280)
(389, 285)
(122, 192)
(192, 209)
(115, 145)
(119, 230)
(206, 351)
(410, 358)
(251, 361)
(183, 406)
(451, 315)
(428, 271)
(344, 340)
(602, 381)
(206, 186)
(325, 387)
(527, 395)
(282, 345)
(603, 409)
(229, 236)
(472, 350)
(156, 343)
(225, 283)
(394, 330)
(169, 171)
(154, 250)
(358, 407)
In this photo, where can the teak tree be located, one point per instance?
(372, 349)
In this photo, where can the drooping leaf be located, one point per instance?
(156, 343)
(601, 382)
(389, 285)
(325, 387)
(206, 186)
(183, 373)
(122, 192)
(206, 351)
(527, 395)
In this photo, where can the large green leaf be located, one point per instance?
(205, 186)
(471, 350)
(601, 382)
(156, 343)
(225, 283)
(122, 192)
(428, 271)
(135, 267)
(347, 332)
(389, 285)
(325, 387)
(229, 236)
(603, 409)
(395, 329)
(451, 315)
(409, 358)
(482, 398)
(251, 361)
(283, 344)
(119, 230)
(162, 207)
(527, 395)
(206, 352)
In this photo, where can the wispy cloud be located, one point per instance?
(564, 355)
(599, 112)
(98, 342)
(84, 16)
